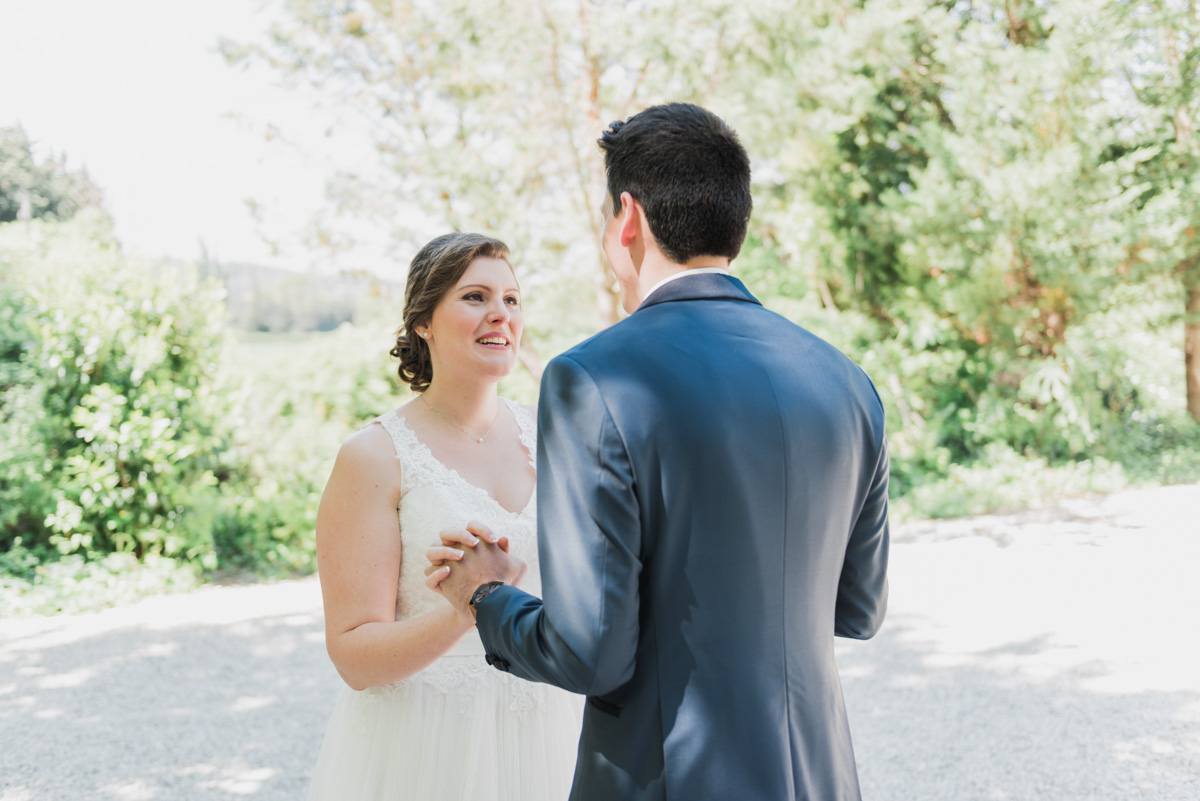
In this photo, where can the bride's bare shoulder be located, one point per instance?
(369, 448)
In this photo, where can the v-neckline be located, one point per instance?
(450, 470)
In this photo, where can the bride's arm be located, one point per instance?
(358, 556)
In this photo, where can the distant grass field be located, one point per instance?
(264, 356)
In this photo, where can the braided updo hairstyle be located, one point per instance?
(434, 271)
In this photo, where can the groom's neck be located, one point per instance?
(656, 270)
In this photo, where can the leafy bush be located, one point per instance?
(304, 394)
(1004, 480)
(129, 423)
(976, 428)
(119, 418)
(32, 582)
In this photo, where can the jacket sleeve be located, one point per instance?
(583, 637)
(863, 586)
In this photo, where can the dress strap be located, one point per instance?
(418, 465)
(527, 424)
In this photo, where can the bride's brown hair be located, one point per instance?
(434, 271)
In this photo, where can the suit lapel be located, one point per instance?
(707, 286)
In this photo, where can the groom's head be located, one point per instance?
(690, 174)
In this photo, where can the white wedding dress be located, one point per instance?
(459, 730)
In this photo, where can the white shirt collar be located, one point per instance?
(684, 274)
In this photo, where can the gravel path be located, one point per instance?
(1041, 655)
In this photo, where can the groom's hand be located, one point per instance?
(467, 559)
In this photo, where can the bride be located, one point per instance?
(423, 716)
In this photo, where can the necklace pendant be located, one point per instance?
(480, 440)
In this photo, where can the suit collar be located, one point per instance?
(707, 286)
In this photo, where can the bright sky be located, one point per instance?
(135, 91)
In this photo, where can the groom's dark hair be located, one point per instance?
(690, 173)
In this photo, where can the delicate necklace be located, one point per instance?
(480, 440)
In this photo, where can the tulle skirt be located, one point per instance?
(457, 731)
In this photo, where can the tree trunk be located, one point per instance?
(1190, 267)
(1191, 342)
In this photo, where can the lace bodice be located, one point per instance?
(433, 498)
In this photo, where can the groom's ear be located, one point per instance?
(633, 220)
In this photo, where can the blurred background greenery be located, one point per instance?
(991, 206)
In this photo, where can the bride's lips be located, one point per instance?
(490, 340)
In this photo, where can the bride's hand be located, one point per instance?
(451, 550)
(478, 532)
(454, 548)
(454, 540)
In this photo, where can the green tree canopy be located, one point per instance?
(33, 189)
(965, 196)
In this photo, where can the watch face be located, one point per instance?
(485, 591)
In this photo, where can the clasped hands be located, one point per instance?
(466, 559)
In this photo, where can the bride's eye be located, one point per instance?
(513, 300)
(473, 296)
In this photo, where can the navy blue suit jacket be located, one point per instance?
(712, 510)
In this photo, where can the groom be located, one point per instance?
(712, 506)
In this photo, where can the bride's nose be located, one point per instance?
(498, 314)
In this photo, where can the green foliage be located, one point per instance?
(1003, 480)
(487, 120)
(138, 449)
(972, 429)
(963, 200)
(984, 173)
(33, 190)
(130, 429)
(37, 583)
(119, 417)
(304, 395)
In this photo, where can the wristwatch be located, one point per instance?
(483, 591)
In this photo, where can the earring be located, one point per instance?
(423, 334)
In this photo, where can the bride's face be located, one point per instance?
(476, 327)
